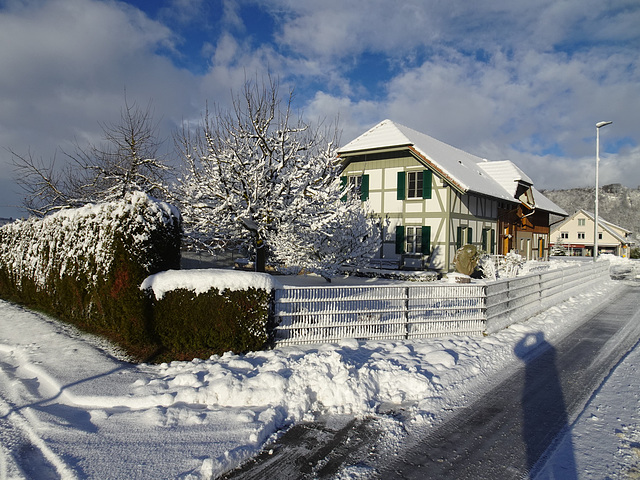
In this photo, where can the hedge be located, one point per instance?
(89, 266)
(85, 265)
(190, 325)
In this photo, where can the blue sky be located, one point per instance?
(502, 79)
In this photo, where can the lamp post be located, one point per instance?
(599, 125)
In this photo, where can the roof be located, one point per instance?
(466, 172)
(458, 167)
(507, 174)
(543, 203)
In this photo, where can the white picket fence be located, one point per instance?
(306, 315)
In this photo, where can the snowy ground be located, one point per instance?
(69, 408)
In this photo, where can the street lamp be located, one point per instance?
(595, 222)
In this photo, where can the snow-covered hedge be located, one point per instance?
(197, 313)
(86, 264)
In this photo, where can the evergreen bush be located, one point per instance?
(85, 265)
(190, 325)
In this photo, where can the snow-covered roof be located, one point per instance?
(507, 174)
(543, 203)
(467, 172)
(458, 167)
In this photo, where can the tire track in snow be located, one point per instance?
(27, 452)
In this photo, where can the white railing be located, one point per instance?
(516, 299)
(332, 313)
(329, 314)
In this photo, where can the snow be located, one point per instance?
(79, 241)
(202, 280)
(458, 166)
(67, 399)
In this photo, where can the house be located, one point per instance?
(575, 236)
(433, 198)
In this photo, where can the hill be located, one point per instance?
(616, 203)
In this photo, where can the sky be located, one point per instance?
(503, 79)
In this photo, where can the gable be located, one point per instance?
(460, 169)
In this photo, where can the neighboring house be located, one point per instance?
(433, 198)
(575, 235)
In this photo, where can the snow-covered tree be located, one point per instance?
(259, 177)
(127, 161)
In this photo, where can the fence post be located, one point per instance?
(406, 312)
(484, 309)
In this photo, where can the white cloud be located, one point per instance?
(502, 79)
(65, 67)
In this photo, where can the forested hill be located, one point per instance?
(617, 204)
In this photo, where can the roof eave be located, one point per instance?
(428, 163)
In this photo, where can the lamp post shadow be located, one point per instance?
(544, 411)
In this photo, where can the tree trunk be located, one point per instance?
(261, 255)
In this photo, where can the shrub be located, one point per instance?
(191, 325)
(85, 265)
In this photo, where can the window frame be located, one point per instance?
(356, 185)
(415, 185)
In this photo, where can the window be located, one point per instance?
(488, 240)
(581, 236)
(358, 185)
(581, 222)
(413, 240)
(464, 236)
(564, 235)
(600, 236)
(416, 184)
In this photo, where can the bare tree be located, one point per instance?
(126, 161)
(47, 188)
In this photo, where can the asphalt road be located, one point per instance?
(504, 434)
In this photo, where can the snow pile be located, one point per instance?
(201, 418)
(299, 383)
(80, 242)
(202, 280)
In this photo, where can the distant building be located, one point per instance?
(433, 198)
(574, 235)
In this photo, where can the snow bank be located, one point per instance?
(201, 281)
(201, 418)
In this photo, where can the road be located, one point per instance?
(501, 435)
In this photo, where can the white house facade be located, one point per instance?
(574, 235)
(433, 198)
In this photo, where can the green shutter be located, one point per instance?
(458, 237)
(401, 185)
(485, 238)
(469, 235)
(343, 184)
(426, 240)
(364, 188)
(427, 184)
(399, 239)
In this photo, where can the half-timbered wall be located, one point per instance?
(473, 221)
(448, 218)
